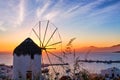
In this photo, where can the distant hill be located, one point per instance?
(118, 45)
(116, 52)
(113, 48)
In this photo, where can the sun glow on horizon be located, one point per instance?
(92, 22)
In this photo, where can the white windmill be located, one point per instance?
(27, 61)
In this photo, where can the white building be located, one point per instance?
(27, 61)
(5, 72)
(111, 73)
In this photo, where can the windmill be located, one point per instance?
(27, 57)
(47, 36)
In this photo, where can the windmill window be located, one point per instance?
(29, 75)
(113, 75)
(32, 56)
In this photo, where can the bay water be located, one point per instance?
(91, 67)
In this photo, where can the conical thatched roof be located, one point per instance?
(27, 47)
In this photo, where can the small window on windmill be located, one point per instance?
(29, 75)
(20, 76)
(32, 56)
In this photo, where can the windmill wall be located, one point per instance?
(27, 58)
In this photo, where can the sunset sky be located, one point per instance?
(91, 22)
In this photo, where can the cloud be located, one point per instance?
(73, 9)
(108, 9)
(52, 15)
(82, 9)
(1, 27)
(21, 12)
(50, 9)
(40, 11)
(64, 11)
(12, 14)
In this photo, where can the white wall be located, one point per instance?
(23, 63)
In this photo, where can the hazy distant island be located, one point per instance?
(116, 52)
(110, 49)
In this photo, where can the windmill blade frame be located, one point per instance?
(45, 32)
(46, 35)
(51, 37)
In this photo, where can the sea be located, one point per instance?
(70, 58)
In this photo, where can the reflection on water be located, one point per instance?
(92, 67)
(6, 59)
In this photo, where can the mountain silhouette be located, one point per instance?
(113, 48)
